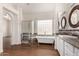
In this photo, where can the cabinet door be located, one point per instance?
(61, 47)
(58, 44)
(55, 43)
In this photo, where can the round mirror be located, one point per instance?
(73, 17)
(63, 22)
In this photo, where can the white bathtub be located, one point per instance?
(46, 39)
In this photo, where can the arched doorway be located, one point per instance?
(7, 28)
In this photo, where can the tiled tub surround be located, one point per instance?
(67, 43)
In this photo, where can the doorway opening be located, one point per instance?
(7, 28)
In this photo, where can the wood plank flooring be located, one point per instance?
(25, 50)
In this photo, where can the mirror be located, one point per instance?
(73, 17)
(63, 22)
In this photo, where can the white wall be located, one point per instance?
(40, 16)
(16, 29)
(6, 27)
(26, 26)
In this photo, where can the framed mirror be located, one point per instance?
(63, 22)
(73, 17)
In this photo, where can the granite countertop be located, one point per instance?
(70, 36)
(72, 41)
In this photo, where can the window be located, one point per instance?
(44, 27)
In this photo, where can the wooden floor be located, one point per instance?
(24, 50)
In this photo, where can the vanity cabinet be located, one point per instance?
(61, 46)
(64, 48)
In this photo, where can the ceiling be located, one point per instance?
(35, 7)
(41, 10)
(40, 7)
